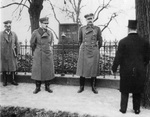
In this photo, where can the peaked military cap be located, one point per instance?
(44, 20)
(89, 15)
(132, 24)
(7, 21)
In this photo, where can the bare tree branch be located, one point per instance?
(18, 6)
(15, 3)
(54, 33)
(111, 18)
(21, 9)
(54, 12)
(99, 10)
(73, 4)
(69, 13)
(29, 1)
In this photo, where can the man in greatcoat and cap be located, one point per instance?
(9, 52)
(90, 41)
(43, 65)
(132, 56)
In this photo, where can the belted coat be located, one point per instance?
(43, 65)
(9, 51)
(90, 41)
(132, 56)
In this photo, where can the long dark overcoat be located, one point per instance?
(132, 56)
(88, 61)
(43, 65)
(9, 51)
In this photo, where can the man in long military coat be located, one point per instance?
(132, 56)
(9, 52)
(90, 41)
(43, 65)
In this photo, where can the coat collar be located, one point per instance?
(43, 33)
(6, 33)
(89, 26)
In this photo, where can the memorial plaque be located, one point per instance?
(68, 33)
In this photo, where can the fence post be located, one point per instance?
(63, 38)
(104, 57)
(25, 52)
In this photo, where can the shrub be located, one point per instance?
(11, 111)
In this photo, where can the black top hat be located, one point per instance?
(89, 15)
(132, 24)
(44, 20)
(7, 21)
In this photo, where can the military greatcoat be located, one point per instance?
(43, 65)
(88, 61)
(132, 56)
(9, 51)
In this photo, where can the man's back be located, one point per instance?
(133, 49)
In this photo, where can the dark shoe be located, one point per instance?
(93, 84)
(94, 90)
(4, 79)
(38, 86)
(137, 111)
(36, 90)
(122, 111)
(48, 90)
(13, 79)
(4, 84)
(82, 82)
(47, 87)
(14, 83)
(81, 89)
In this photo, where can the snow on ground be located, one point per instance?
(104, 104)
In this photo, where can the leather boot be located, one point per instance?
(4, 79)
(93, 84)
(82, 82)
(38, 86)
(13, 79)
(47, 87)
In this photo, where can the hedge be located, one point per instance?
(11, 111)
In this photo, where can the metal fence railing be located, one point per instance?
(66, 56)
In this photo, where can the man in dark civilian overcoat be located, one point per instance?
(43, 65)
(90, 41)
(132, 56)
(9, 52)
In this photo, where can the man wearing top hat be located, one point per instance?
(43, 65)
(132, 56)
(90, 41)
(9, 52)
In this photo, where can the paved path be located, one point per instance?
(66, 98)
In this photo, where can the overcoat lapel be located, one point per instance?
(42, 33)
(5, 36)
(45, 34)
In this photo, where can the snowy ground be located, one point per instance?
(104, 104)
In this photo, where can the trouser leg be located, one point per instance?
(136, 102)
(82, 82)
(93, 84)
(4, 78)
(13, 78)
(47, 88)
(38, 86)
(124, 102)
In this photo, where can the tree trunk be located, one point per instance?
(34, 11)
(143, 18)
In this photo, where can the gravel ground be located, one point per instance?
(104, 104)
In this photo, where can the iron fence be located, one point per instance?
(66, 56)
